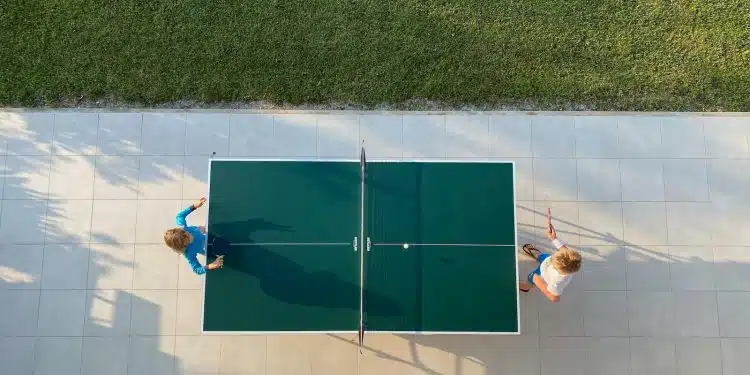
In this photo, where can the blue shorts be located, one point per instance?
(538, 269)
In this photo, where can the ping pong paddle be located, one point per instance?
(549, 220)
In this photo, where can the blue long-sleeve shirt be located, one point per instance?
(197, 245)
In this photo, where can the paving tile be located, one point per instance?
(69, 221)
(530, 308)
(186, 279)
(596, 136)
(564, 219)
(517, 362)
(154, 217)
(698, 356)
(319, 354)
(3, 173)
(564, 318)
(726, 136)
(120, 133)
(251, 135)
(510, 136)
(207, 133)
(731, 268)
(22, 266)
(20, 311)
(645, 223)
(467, 344)
(555, 180)
(153, 312)
(195, 177)
(388, 354)
(72, 177)
(734, 356)
(605, 313)
(651, 314)
(198, 355)
(108, 313)
(642, 180)
(61, 313)
(26, 177)
(721, 221)
(608, 355)
(163, 134)
(600, 223)
(151, 355)
(295, 136)
(686, 180)
(682, 137)
(599, 180)
(639, 136)
(648, 268)
(553, 136)
(105, 355)
(382, 136)
(338, 136)
(65, 266)
(113, 221)
(727, 180)
(155, 267)
(695, 314)
(563, 355)
(23, 221)
(160, 177)
(467, 136)
(734, 308)
(527, 231)
(111, 266)
(691, 268)
(252, 349)
(652, 356)
(424, 136)
(688, 223)
(28, 133)
(75, 133)
(189, 308)
(58, 355)
(603, 268)
(116, 177)
(524, 178)
(17, 355)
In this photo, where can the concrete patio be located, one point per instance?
(657, 204)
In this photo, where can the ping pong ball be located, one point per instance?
(406, 246)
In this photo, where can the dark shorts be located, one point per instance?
(538, 269)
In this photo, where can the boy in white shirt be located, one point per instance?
(554, 271)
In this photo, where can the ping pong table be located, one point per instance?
(396, 246)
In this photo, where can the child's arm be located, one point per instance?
(196, 266)
(181, 218)
(539, 282)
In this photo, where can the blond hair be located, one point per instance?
(177, 239)
(566, 260)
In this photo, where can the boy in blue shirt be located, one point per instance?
(189, 240)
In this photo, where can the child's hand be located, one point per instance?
(218, 263)
(202, 229)
(199, 203)
(551, 233)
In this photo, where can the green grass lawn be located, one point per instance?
(603, 54)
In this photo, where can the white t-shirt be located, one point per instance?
(556, 281)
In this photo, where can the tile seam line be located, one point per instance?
(261, 111)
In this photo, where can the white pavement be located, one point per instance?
(657, 203)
